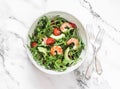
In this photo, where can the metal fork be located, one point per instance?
(96, 44)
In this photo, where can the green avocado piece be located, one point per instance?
(43, 50)
(57, 37)
(67, 60)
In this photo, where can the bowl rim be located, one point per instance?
(52, 71)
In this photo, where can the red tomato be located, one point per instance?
(50, 41)
(73, 25)
(56, 32)
(33, 44)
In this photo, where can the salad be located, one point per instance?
(55, 43)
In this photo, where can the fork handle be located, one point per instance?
(89, 71)
(98, 66)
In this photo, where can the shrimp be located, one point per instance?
(56, 49)
(44, 41)
(73, 40)
(63, 26)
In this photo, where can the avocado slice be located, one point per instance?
(57, 37)
(43, 50)
(67, 60)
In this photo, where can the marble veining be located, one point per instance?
(13, 18)
(3, 51)
(88, 6)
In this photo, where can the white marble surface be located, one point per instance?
(17, 72)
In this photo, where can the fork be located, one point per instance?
(96, 45)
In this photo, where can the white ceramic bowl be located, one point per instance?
(81, 33)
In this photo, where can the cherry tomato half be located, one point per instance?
(50, 41)
(33, 44)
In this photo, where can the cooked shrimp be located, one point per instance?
(63, 26)
(56, 49)
(44, 41)
(73, 40)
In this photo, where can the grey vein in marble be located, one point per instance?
(14, 18)
(3, 39)
(23, 42)
(95, 14)
(2, 54)
(86, 4)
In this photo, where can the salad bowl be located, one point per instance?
(81, 33)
